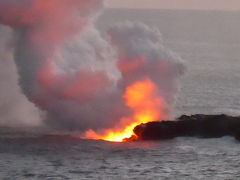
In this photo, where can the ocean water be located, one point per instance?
(210, 47)
(65, 158)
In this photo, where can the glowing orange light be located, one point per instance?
(142, 97)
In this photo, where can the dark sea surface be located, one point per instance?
(209, 43)
(66, 158)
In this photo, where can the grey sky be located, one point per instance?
(176, 4)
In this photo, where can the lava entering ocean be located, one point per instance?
(143, 99)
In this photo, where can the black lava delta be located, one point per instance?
(199, 125)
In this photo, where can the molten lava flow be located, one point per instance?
(143, 99)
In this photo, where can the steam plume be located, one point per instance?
(71, 73)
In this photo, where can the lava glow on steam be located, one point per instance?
(143, 99)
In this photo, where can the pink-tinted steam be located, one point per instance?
(68, 70)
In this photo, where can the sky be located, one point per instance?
(176, 4)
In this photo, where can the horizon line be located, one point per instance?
(174, 9)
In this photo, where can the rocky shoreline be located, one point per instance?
(199, 125)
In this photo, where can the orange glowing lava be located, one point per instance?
(143, 99)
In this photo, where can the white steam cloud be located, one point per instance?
(69, 71)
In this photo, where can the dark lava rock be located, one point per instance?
(199, 125)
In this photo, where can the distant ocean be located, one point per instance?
(209, 43)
